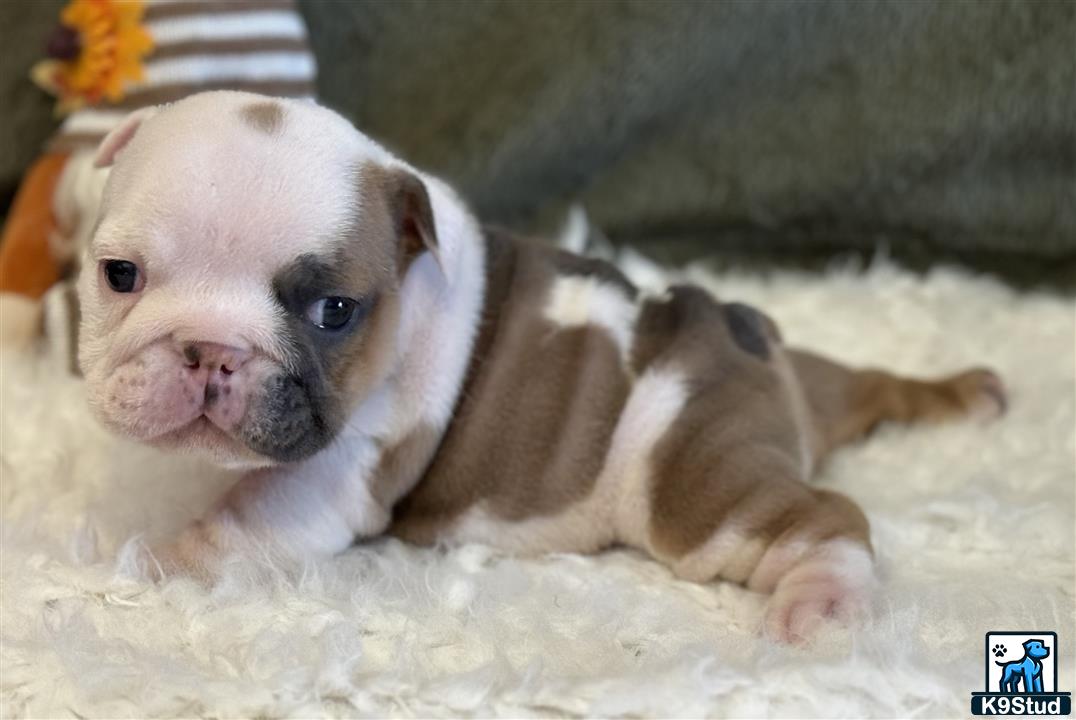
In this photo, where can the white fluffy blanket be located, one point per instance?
(973, 528)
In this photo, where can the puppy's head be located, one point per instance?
(241, 294)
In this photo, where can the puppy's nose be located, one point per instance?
(214, 357)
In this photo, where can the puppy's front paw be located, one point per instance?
(192, 554)
(835, 586)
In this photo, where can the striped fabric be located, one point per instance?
(255, 45)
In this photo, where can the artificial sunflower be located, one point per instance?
(94, 53)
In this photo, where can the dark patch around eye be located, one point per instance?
(307, 279)
(300, 409)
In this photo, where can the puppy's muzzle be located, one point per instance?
(211, 373)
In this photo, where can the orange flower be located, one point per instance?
(101, 46)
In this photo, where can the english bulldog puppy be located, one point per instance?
(267, 286)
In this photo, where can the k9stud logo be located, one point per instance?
(1021, 676)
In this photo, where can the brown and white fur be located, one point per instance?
(488, 389)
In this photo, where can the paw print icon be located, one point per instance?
(999, 650)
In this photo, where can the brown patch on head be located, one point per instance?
(265, 116)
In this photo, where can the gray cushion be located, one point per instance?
(791, 127)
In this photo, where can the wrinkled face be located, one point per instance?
(241, 293)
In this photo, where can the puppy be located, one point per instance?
(269, 287)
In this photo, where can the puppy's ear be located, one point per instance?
(116, 140)
(412, 215)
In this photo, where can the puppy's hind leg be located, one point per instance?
(847, 404)
(821, 567)
(749, 518)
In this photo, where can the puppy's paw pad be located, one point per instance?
(795, 613)
(982, 392)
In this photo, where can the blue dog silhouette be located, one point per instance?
(1027, 669)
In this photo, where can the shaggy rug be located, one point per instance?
(973, 527)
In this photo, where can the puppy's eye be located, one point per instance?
(332, 313)
(122, 276)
